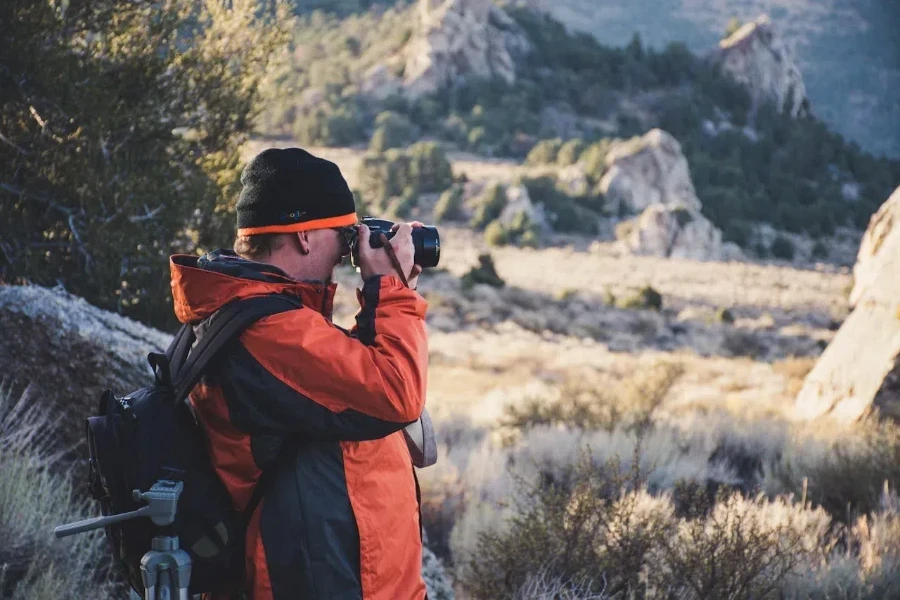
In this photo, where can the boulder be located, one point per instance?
(872, 256)
(645, 171)
(672, 231)
(460, 38)
(69, 352)
(844, 385)
(758, 57)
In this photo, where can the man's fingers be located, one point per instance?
(417, 224)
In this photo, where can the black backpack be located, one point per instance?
(151, 435)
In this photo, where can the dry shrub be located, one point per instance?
(842, 470)
(741, 549)
(34, 498)
(596, 532)
(794, 370)
(628, 405)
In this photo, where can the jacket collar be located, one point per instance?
(202, 285)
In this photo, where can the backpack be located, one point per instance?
(151, 434)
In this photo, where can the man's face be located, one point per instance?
(330, 244)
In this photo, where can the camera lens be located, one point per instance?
(427, 244)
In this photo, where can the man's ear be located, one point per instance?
(303, 241)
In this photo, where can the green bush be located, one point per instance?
(488, 206)
(495, 234)
(449, 206)
(544, 152)
(646, 299)
(782, 248)
(422, 168)
(565, 214)
(484, 273)
(594, 159)
(392, 131)
(570, 152)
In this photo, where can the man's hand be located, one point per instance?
(375, 261)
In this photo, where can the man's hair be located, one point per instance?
(259, 246)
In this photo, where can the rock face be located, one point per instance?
(646, 171)
(842, 384)
(872, 255)
(459, 38)
(673, 231)
(758, 57)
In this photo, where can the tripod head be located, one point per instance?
(162, 504)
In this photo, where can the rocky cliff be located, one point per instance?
(457, 39)
(844, 384)
(757, 56)
(69, 351)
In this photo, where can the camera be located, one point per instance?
(426, 241)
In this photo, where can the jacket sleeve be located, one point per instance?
(297, 372)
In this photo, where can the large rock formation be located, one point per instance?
(650, 175)
(646, 171)
(69, 351)
(757, 56)
(673, 231)
(872, 256)
(460, 38)
(844, 384)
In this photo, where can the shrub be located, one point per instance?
(423, 168)
(647, 298)
(723, 315)
(782, 248)
(33, 499)
(488, 206)
(544, 152)
(594, 158)
(564, 213)
(449, 206)
(392, 130)
(484, 273)
(570, 152)
(495, 234)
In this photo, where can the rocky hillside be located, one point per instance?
(847, 50)
(499, 81)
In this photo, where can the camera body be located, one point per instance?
(426, 241)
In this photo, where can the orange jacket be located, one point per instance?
(341, 519)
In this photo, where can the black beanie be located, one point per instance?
(289, 189)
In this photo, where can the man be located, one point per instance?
(341, 518)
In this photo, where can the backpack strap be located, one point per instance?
(223, 326)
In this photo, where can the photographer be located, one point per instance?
(320, 408)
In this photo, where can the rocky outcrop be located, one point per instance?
(758, 57)
(843, 384)
(872, 256)
(645, 171)
(460, 38)
(650, 175)
(674, 231)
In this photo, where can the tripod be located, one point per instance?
(165, 568)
